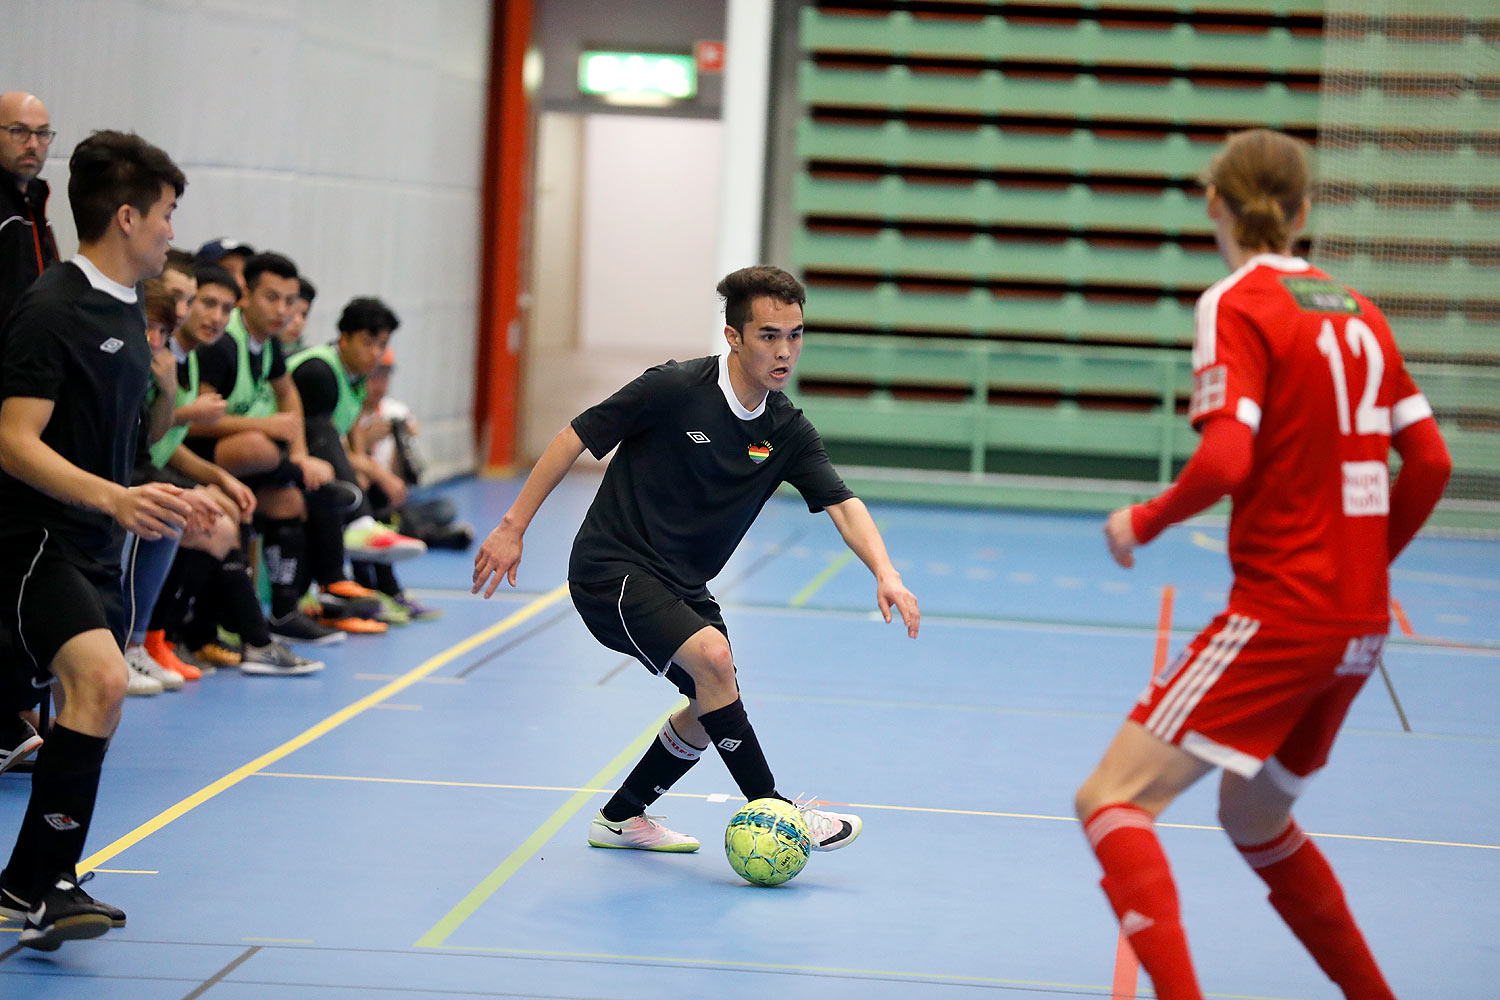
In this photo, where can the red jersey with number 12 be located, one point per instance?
(1311, 367)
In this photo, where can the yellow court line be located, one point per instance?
(988, 813)
(329, 724)
(801, 597)
(440, 931)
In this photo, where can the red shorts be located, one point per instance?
(1246, 692)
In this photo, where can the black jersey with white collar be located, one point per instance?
(85, 350)
(693, 470)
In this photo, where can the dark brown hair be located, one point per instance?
(180, 260)
(110, 169)
(1263, 177)
(740, 288)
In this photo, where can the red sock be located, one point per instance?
(1140, 888)
(1308, 896)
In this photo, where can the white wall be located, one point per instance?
(622, 274)
(348, 134)
(649, 233)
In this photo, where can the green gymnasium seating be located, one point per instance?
(999, 224)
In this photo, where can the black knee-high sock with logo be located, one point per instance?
(286, 562)
(665, 761)
(732, 734)
(64, 786)
(238, 604)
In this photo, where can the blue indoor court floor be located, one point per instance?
(412, 822)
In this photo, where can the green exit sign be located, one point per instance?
(638, 77)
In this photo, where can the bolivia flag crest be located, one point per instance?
(760, 452)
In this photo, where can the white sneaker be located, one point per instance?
(140, 662)
(639, 833)
(830, 830)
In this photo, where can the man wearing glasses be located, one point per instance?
(26, 243)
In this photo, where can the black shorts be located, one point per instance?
(638, 616)
(49, 593)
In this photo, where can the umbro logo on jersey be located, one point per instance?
(698, 437)
(728, 745)
(111, 345)
(1133, 922)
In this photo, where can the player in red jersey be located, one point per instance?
(1299, 391)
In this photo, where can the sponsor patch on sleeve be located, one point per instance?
(1320, 295)
(1208, 391)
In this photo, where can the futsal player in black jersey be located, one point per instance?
(74, 364)
(703, 444)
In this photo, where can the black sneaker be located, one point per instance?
(13, 907)
(17, 740)
(335, 606)
(297, 627)
(64, 913)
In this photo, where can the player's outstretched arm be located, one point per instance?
(853, 520)
(500, 554)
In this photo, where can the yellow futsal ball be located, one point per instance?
(767, 842)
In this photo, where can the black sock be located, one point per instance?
(666, 760)
(238, 603)
(191, 570)
(325, 545)
(731, 732)
(285, 551)
(362, 573)
(202, 624)
(376, 576)
(64, 786)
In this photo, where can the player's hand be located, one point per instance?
(1119, 535)
(376, 430)
(238, 494)
(164, 371)
(206, 409)
(499, 555)
(152, 511)
(892, 591)
(316, 473)
(206, 509)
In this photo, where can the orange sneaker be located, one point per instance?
(348, 588)
(219, 656)
(161, 652)
(358, 626)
